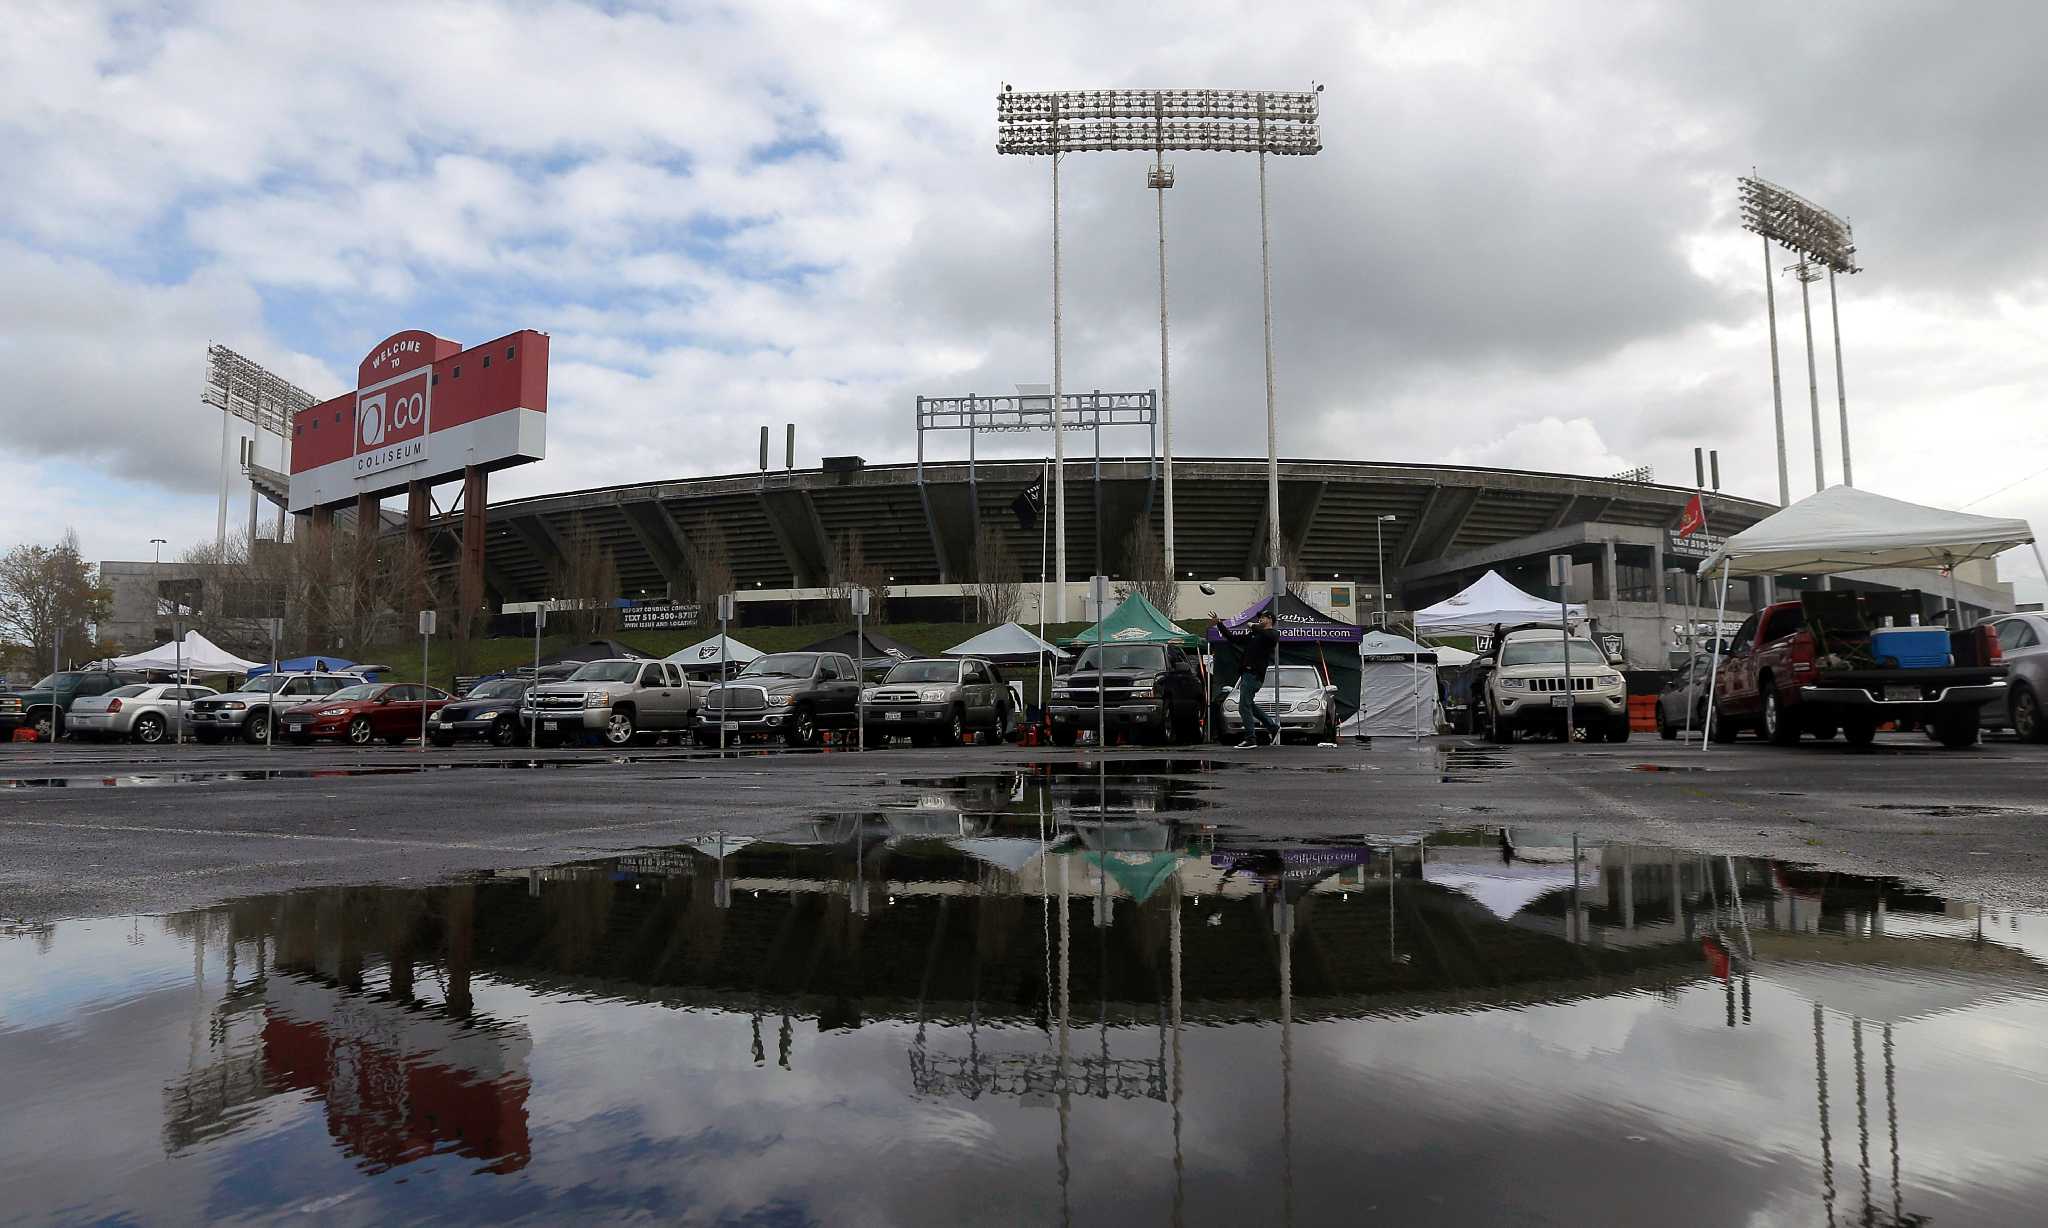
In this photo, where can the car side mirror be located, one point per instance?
(1329, 690)
(1486, 661)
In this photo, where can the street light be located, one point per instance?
(1228, 121)
(159, 543)
(1379, 566)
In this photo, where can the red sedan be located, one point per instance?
(362, 714)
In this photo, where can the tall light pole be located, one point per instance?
(159, 543)
(1819, 238)
(1379, 561)
(1159, 178)
(1807, 273)
(1841, 391)
(1052, 124)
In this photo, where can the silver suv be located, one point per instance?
(247, 712)
(940, 699)
(619, 698)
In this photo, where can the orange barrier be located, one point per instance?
(25, 735)
(1642, 713)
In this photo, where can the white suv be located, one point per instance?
(1526, 689)
(246, 713)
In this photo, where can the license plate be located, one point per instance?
(297, 726)
(1901, 694)
(732, 726)
(892, 716)
(550, 726)
(1560, 701)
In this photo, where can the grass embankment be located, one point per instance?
(497, 655)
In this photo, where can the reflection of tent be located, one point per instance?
(878, 650)
(1137, 621)
(703, 655)
(1137, 874)
(1297, 621)
(1396, 686)
(1507, 889)
(1011, 853)
(1008, 644)
(1487, 601)
(195, 655)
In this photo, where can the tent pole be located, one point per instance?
(1720, 616)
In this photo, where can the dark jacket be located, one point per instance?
(1256, 646)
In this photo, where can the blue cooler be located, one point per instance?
(1910, 647)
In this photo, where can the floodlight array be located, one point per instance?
(252, 393)
(1786, 217)
(1228, 121)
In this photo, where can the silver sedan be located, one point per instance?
(1305, 705)
(146, 712)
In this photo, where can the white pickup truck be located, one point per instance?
(621, 699)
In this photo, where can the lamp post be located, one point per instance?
(1379, 564)
(1054, 123)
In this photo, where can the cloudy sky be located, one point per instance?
(1519, 246)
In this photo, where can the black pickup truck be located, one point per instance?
(42, 706)
(1151, 692)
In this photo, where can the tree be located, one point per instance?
(587, 581)
(51, 597)
(711, 568)
(1290, 558)
(998, 590)
(850, 572)
(1145, 569)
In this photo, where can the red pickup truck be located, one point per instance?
(1806, 666)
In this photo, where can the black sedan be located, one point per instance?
(489, 712)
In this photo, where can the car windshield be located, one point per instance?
(1549, 652)
(127, 692)
(58, 680)
(499, 688)
(265, 685)
(346, 693)
(925, 671)
(781, 665)
(1123, 656)
(607, 671)
(1303, 676)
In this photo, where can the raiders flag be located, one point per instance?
(1029, 504)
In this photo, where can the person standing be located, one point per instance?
(1256, 647)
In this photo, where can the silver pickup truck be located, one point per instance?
(620, 699)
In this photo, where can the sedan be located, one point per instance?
(362, 714)
(2023, 639)
(1304, 705)
(490, 711)
(145, 712)
(1688, 686)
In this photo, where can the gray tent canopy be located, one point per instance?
(1008, 644)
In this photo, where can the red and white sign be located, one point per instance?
(423, 409)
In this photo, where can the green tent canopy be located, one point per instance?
(1136, 621)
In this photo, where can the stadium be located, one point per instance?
(918, 525)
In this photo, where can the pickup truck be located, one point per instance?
(618, 698)
(792, 694)
(42, 707)
(1807, 666)
(1151, 692)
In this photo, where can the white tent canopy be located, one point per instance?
(704, 655)
(195, 655)
(1007, 640)
(1489, 600)
(1388, 644)
(1846, 529)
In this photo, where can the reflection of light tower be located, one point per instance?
(1226, 121)
(1808, 273)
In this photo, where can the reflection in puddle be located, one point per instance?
(1043, 1003)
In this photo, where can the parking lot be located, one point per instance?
(88, 829)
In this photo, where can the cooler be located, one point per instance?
(1910, 647)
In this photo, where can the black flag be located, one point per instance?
(1029, 503)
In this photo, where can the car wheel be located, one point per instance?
(1618, 729)
(1859, 732)
(504, 731)
(619, 730)
(149, 729)
(1498, 729)
(44, 725)
(803, 728)
(256, 729)
(2026, 715)
(1957, 730)
(360, 733)
(1780, 727)
(1725, 730)
(1664, 729)
(956, 729)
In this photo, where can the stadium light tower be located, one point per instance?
(1054, 123)
(1823, 239)
(243, 389)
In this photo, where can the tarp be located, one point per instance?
(594, 650)
(1136, 621)
(1490, 600)
(1451, 657)
(1395, 697)
(1843, 528)
(879, 649)
(315, 663)
(1389, 645)
(1008, 644)
(704, 653)
(1508, 889)
(1297, 621)
(198, 656)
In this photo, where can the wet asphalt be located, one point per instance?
(98, 830)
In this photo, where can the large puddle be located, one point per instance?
(1043, 999)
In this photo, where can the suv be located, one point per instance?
(247, 712)
(1526, 688)
(43, 706)
(795, 694)
(620, 698)
(1150, 691)
(940, 699)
